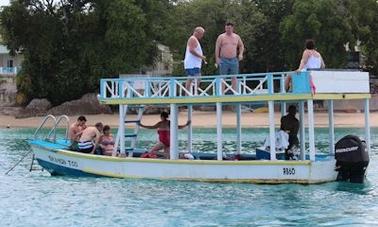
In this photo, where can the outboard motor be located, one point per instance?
(352, 159)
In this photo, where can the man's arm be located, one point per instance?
(97, 140)
(241, 49)
(71, 133)
(78, 133)
(217, 49)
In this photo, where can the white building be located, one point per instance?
(9, 66)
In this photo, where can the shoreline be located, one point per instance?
(206, 119)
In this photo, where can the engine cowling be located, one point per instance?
(352, 159)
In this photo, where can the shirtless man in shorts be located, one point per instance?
(89, 138)
(75, 131)
(229, 50)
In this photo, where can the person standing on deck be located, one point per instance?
(75, 131)
(229, 49)
(194, 57)
(290, 124)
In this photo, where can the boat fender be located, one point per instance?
(352, 159)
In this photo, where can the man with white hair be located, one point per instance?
(194, 56)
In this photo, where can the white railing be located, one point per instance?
(174, 87)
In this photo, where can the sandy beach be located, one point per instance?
(205, 119)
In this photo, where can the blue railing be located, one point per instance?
(218, 85)
(9, 70)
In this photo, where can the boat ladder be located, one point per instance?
(51, 136)
(34, 165)
(130, 138)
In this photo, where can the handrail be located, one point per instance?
(173, 87)
(53, 130)
(43, 123)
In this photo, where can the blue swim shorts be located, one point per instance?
(229, 66)
(193, 72)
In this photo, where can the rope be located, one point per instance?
(23, 157)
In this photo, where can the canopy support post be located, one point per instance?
(331, 126)
(311, 130)
(238, 128)
(219, 131)
(272, 136)
(190, 129)
(367, 124)
(302, 130)
(173, 150)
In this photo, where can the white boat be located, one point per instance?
(53, 154)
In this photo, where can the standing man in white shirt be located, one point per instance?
(194, 57)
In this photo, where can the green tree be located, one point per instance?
(68, 46)
(322, 20)
(270, 48)
(363, 18)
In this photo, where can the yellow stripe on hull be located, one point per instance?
(183, 161)
(247, 181)
(180, 161)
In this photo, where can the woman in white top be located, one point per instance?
(311, 59)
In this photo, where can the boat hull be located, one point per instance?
(58, 161)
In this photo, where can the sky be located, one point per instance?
(4, 2)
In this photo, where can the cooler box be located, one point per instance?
(262, 154)
(301, 83)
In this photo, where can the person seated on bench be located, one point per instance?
(311, 59)
(75, 131)
(89, 138)
(163, 130)
(106, 142)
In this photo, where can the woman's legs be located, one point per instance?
(166, 152)
(156, 148)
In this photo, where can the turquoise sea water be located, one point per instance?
(37, 199)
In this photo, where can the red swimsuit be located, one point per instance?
(164, 136)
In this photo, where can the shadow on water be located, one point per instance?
(355, 188)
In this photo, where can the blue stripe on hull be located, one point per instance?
(55, 170)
